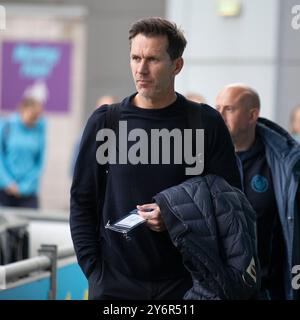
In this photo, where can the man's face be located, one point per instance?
(152, 68)
(32, 113)
(236, 116)
(296, 122)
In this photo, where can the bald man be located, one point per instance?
(269, 162)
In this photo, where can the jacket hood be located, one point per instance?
(279, 141)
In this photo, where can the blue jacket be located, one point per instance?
(21, 154)
(213, 226)
(283, 157)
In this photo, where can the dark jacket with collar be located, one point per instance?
(213, 226)
(283, 158)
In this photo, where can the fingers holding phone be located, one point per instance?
(151, 212)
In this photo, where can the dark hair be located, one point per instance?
(29, 102)
(156, 26)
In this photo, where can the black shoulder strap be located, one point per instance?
(112, 117)
(195, 121)
(194, 116)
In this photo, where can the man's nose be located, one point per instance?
(143, 67)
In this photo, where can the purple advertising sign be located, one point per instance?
(36, 69)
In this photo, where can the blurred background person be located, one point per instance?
(295, 123)
(106, 99)
(101, 101)
(196, 97)
(22, 151)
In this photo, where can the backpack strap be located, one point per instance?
(194, 121)
(194, 116)
(112, 117)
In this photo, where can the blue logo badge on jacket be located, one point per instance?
(259, 183)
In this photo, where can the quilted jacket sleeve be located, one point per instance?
(213, 226)
(235, 222)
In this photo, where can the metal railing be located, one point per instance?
(47, 260)
(42, 262)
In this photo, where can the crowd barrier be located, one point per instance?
(31, 269)
(53, 275)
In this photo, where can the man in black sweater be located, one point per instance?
(146, 265)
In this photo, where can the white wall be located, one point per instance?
(224, 50)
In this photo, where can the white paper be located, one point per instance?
(130, 221)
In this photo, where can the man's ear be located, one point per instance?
(178, 63)
(254, 114)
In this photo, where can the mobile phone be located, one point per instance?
(126, 223)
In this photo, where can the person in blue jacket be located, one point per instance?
(101, 101)
(22, 149)
(269, 162)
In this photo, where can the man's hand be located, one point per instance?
(12, 190)
(151, 213)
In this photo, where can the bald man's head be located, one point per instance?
(239, 106)
(247, 96)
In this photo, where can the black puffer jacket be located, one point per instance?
(213, 226)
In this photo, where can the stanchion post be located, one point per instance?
(50, 251)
